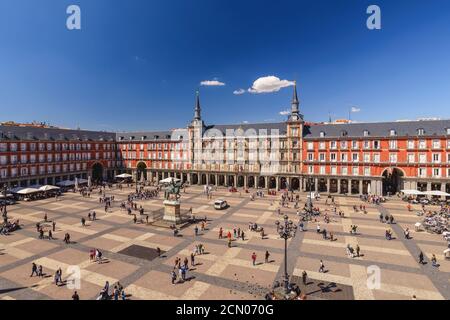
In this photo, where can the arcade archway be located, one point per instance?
(97, 172)
(392, 181)
(141, 171)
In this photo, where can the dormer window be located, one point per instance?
(143, 137)
(132, 138)
(168, 136)
(366, 133)
(322, 134)
(392, 133)
(344, 133)
(156, 137)
(448, 131)
(420, 132)
(120, 138)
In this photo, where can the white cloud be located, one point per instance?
(355, 109)
(212, 83)
(269, 84)
(239, 92)
(285, 113)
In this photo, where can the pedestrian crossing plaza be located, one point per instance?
(141, 256)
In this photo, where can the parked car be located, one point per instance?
(220, 204)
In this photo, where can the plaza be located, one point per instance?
(221, 272)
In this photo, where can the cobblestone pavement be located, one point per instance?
(222, 272)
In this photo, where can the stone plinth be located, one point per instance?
(172, 211)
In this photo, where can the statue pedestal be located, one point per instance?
(172, 211)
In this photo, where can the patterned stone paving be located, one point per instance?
(222, 272)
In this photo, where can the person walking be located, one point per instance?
(434, 261)
(254, 258)
(421, 261)
(54, 226)
(192, 259)
(83, 222)
(304, 277)
(322, 267)
(357, 250)
(75, 296)
(266, 256)
(40, 272)
(34, 269)
(173, 276)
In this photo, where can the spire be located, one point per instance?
(294, 97)
(295, 115)
(197, 115)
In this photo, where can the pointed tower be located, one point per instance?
(197, 110)
(295, 114)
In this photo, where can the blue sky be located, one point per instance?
(136, 64)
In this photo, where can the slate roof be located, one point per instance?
(378, 129)
(56, 134)
(280, 126)
(143, 136)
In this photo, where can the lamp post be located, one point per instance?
(5, 212)
(286, 230)
(136, 178)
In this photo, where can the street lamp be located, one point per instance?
(137, 173)
(5, 212)
(286, 230)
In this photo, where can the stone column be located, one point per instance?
(360, 187)
(316, 184)
(207, 179)
(328, 185)
(339, 186)
(217, 179)
(235, 180)
(277, 185)
(245, 182)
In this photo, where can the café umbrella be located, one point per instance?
(27, 191)
(48, 188)
(124, 176)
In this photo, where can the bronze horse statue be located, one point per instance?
(173, 188)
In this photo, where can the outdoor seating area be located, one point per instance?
(431, 197)
(35, 192)
(436, 222)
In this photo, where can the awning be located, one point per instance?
(412, 192)
(66, 183)
(437, 193)
(48, 188)
(169, 180)
(16, 189)
(124, 176)
(27, 191)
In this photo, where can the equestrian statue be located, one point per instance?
(173, 188)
